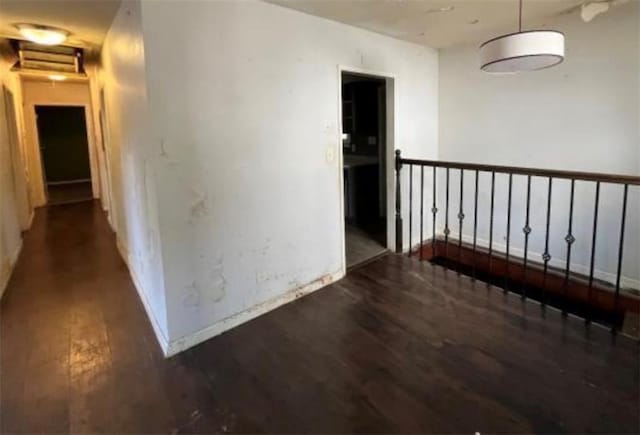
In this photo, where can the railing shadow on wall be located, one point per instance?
(572, 215)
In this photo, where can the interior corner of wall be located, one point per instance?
(160, 332)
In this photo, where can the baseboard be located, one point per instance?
(176, 346)
(123, 250)
(237, 319)
(4, 279)
(162, 339)
(62, 183)
(31, 217)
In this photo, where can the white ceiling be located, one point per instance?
(87, 20)
(429, 22)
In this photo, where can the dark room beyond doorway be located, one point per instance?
(64, 149)
(364, 151)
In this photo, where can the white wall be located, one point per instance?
(10, 182)
(581, 115)
(131, 161)
(244, 100)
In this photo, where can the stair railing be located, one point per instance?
(547, 176)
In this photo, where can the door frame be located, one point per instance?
(43, 92)
(88, 122)
(390, 146)
(105, 142)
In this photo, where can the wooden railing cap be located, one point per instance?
(535, 172)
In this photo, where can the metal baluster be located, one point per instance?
(398, 205)
(493, 191)
(569, 239)
(545, 256)
(620, 252)
(410, 208)
(475, 223)
(526, 230)
(434, 211)
(506, 278)
(593, 250)
(446, 217)
(460, 217)
(421, 210)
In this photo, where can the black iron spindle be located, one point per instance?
(446, 217)
(506, 277)
(475, 222)
(410, 209)
(546, 256)
(493, 195)
(421, 210)
(526, 230)
(398, 204)
(593, 250)
(460, 217)
(569, 238)
(434, 211)
(620, 252)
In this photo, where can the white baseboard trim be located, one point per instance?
(184, 343)
(6, 274)
(162, 339)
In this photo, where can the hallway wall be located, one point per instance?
(12, 206)
(244, 99)
(134, 212)
(581, 115)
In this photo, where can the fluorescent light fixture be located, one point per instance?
(43, 35)
(57, 77)
(522, 51)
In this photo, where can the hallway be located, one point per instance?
(72, 324)
(397, 346)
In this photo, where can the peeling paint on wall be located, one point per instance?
(192, 298)
(200, 207)
(208, 288)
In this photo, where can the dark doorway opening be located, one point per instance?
(364, 128)
(64, 150)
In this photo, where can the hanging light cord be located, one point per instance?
(520, 18)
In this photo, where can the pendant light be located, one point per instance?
(529, 50)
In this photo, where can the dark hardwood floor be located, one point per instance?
(397, 346)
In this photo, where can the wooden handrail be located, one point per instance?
(553, 173)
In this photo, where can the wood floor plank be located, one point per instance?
(398, 346)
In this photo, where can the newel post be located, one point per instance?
(398, 205)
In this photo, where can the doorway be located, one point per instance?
(64, 151)
(364, 137)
